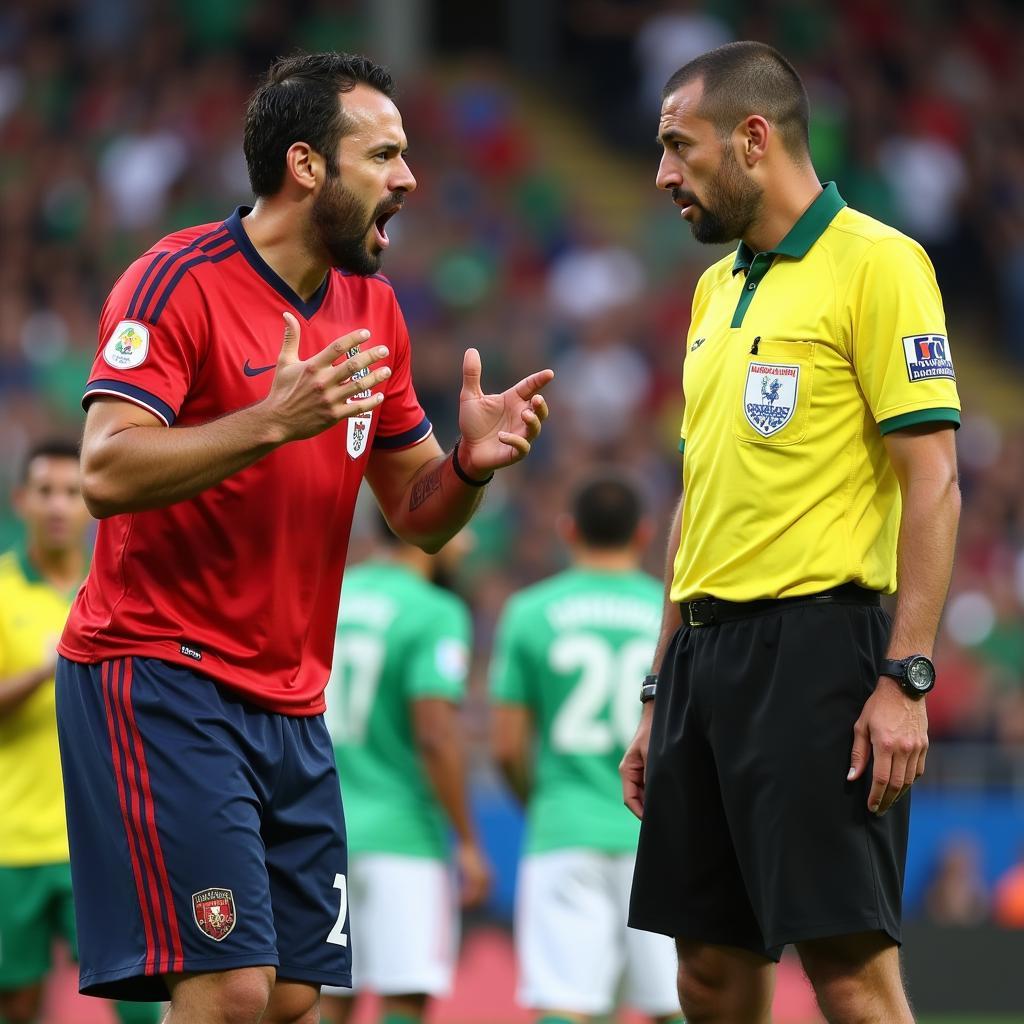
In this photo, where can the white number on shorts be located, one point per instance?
(602, 709)
(355, 675)
(338, 936)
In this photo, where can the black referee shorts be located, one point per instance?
(751, 835)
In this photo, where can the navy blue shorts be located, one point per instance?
(206, 833)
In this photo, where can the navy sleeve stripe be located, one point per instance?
(420, 432)
(183, 269)
(165, 269)
(119, 388)
(130, 315)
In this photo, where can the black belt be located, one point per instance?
(707, 611)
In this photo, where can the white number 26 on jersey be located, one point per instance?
(338, 936)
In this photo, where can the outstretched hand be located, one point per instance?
(498, 430)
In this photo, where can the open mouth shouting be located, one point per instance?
(380, 222)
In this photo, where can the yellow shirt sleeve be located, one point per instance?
(698, 298)
(897, 332)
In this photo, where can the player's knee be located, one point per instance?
(229, 997)
(701, 993)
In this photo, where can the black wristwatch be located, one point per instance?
(915, 674)
(648, 689)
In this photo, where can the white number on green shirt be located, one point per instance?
(355, 676)
(603, 708)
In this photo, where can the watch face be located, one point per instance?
(921, 674)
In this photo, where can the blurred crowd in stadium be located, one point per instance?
(120, 121)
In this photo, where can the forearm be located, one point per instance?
(15, 690)
(435, 506)
(444, 762)
(670, 612)
(144, 467)
(516, 773)
(931, 512)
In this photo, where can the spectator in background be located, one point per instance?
(1008, 897)
(957, 894)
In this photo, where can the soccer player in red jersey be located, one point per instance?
(207, 835)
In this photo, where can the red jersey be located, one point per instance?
(241, 583)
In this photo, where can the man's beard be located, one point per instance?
(732, 203)
(340, 227)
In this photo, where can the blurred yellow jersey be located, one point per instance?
(799, 361)
(32, 615)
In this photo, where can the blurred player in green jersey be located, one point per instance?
(38, 579)
(400, 664)
(568, 655)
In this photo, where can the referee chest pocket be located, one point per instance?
(773, 395)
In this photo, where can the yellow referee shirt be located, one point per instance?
(798, 362)
(32, 615)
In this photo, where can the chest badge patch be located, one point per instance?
(928, 357)
(128, 345)
(770, 396)
(214, 913)
(358, 426)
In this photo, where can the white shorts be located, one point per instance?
(403, 918)
(575, 951)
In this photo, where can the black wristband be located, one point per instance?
(648, 689)
(463, 475)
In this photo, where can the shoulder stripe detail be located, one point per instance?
(407, 438)
(183, 268)
(119, 389)
(131, 312)
(168, 263)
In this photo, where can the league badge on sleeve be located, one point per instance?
(928, 357)
(214, 913)
(128, 345)
(770, 396)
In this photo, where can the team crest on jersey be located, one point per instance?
(770, 396)
(128, 345)
(359, 426)
(928, 357)
(214, 913)
(358, 433)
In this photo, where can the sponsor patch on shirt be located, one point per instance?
(128, 345)
(928, 357)
(770, 396)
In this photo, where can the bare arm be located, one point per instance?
(16, 689)
(893, 727)
(439, 742)
(131, 461)
(633, 768)
(510, 746)
(422, 497)
(420, 494)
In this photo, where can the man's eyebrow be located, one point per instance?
(389, 147)
(670, 135)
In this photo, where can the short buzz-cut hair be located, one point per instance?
(747, 78)
(298, 102)
(48, 448)
(607, 509)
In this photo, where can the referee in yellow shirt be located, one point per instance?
(38, 579)
(787, 716)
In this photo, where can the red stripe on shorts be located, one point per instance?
(141, 886)
(178, 963)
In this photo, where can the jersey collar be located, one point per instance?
(803, 234)
(256, 261)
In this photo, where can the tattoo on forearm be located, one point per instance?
(425, 486)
